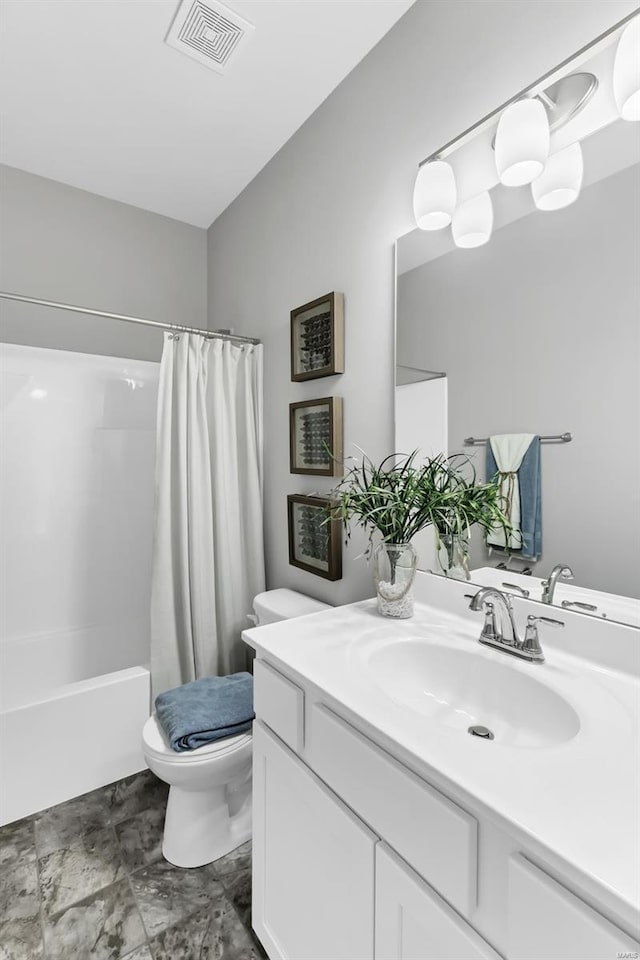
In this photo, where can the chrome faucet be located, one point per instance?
(561, 571)
(505, 636)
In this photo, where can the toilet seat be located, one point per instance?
(155, 744)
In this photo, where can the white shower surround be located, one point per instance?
(76, 511)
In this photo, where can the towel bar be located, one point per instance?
(558, 437)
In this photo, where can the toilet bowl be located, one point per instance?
(209, 804)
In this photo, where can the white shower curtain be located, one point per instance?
(208, 545)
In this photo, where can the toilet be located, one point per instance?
(209, 805)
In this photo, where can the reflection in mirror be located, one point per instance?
(535, 333)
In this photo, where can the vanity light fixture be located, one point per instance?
(473, 221)
(522, 142)
(434, 195)
(626, 72)
(559, 183)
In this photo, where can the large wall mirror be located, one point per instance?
(537, 331)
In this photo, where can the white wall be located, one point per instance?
(76, 502)
(324, 213)
(59, 243)
(538, 332)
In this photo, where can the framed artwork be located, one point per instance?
(315, 437)
(315, 544)
(317, 338)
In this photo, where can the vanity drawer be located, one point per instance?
(434, 835)
(280, 703)
(547, 921)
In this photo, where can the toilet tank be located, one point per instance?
(283, 604)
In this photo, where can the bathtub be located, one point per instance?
(77, 434)
(72, 708)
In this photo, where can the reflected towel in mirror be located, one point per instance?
(516, 458)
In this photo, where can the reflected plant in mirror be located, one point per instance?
(534, 333)
(458, 502)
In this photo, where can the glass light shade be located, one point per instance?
(559, 183)
(473, 221)
(626, 72)
(522, 142)
(434, 195)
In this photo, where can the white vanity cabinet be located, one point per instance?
(547, 921)
(356, 857)
(413, 923)
(313, 862)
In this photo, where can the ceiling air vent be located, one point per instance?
(209, 32)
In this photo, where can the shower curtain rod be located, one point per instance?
(176, 327)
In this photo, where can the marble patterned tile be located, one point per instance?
(212, 934)
(105, 926)
(237, 887)
(130, 796)
(142, 953)
(20, 931)
(140, 838)
(87, 865)
(167, 895)
(19, 898)
(59, 826)
(17, 841)
(21, 939)
(238, 859)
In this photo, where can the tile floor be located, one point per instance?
(87, 879)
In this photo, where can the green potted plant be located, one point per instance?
(396, 499)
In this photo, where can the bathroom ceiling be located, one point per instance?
(93, 97)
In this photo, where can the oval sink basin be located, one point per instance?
(461, 688)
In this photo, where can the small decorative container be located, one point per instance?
(394, 567)
(453, 555)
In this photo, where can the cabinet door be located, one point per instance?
(313, 862)
(414, 923)
(547, 921)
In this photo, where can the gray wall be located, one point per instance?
(59, 243)
(538, 333)
(324, 213)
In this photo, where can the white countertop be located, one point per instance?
(578, 802)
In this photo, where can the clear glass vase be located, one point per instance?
(453, 555)
(394, 568)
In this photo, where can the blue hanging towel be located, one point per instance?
(205, 710)
(530, 488)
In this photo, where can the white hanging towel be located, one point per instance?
(508, 450)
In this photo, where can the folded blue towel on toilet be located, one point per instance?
(205, 710)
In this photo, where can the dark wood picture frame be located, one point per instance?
(314, 546)
(315, 432)
(317, 338)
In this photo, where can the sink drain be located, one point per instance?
(478, 731)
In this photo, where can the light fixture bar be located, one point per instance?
(533, 89)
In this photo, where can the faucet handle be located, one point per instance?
(531, 643)
(531, 621)
(518, 589)
(579, 605)
(490, 627)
